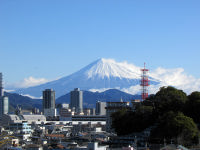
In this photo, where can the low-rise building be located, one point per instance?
(22, 128)
(86, 111)
(88, 118)
(12, 118)
(66, 114)
(50, 112)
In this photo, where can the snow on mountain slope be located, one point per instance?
(101, 74)
(110, 68)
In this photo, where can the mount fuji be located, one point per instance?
(100, 75)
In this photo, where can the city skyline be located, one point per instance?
(42, 41)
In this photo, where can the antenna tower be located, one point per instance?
(144, 82)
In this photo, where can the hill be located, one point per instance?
(23, 101)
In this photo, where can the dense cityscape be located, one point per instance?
(70, 126)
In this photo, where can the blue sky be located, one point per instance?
(53, 38)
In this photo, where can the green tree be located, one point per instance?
(167, 109)
(177, 126)
(192, 106)
(169, 98)
(126, 122)
(119, 122)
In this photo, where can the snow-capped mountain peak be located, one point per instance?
(110, 68)
(101, 74)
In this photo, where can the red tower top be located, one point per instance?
(144, 82)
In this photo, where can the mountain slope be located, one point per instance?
(101, 74)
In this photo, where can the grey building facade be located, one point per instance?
(48, 99)
(4, 105)
(76, 100)
(100, 108)
(4, 101)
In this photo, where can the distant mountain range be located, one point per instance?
(98, 76)
(23, 101)
(89, 99)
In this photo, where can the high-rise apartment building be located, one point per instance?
(100, 108)
(4, 101)
(4, 105)
(48, 99)
(76, 100)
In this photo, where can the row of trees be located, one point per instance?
(174, 115)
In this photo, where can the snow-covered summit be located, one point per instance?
(110, 68)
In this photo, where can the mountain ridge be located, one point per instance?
(90, 98)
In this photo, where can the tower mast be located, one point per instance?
(144, 82)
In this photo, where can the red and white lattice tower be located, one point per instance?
(144, 82)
